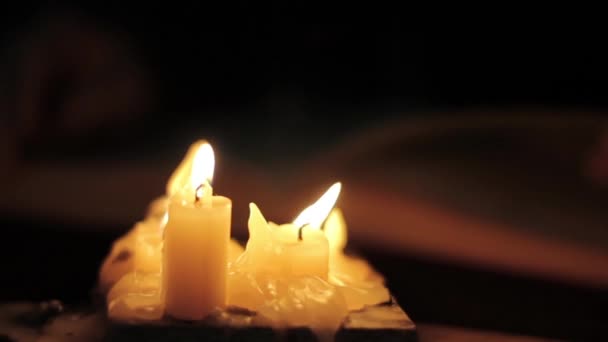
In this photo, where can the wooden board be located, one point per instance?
(23, 322)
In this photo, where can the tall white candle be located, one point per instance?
(196, 241)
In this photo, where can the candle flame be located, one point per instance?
(318, 212)
(181, 175)
(202, 165)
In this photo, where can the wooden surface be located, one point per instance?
(24, 322)
(29, 322)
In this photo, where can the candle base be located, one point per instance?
(386, 322)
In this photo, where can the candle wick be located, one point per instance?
(300, 230)
(198, 193)
(322, 227)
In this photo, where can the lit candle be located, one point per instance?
(196, 240)
(285, 249)
(183, 172)
(295, 249)
(282, 275)
(180, 176)
(317, 213)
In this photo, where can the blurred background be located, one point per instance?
(473, 149)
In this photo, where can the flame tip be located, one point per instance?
(203, 164)
(315, 214)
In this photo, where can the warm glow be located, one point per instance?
(180, 176)
(335, 230)
(202, 165)
(317, 213)
(163, 222)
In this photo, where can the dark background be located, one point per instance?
(274, 83)
(254, 62)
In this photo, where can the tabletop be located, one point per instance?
(444, 333)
